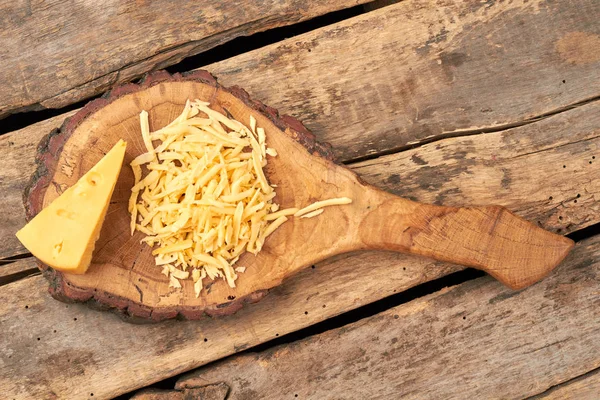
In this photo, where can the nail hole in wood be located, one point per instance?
(550, 198)
(558, 230)
(575, 201)
(564, 166)
(324, 306)
(55, 331)
(230, 297)
(396, 316)
(560, 217)
(205, 339)
(578, 195)
(75, 319)
(39, 339)
(277, 334)
(305, 312)
(593, 157)
(26, 307)
(564, 81)
(590, 162)
(295, 395)
(464, 317)
(313, 267)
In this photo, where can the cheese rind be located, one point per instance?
(63, 235)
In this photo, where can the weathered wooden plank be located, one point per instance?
(17, 164)
(474, 340)
(519, 168)
(421, 69)
(418, 70)
(103, 355)
(546, 171)
(164, 350)
(57, 54)
(208, 392)
(311, 296)
(374, 5)
(586, 387)
(18, 269)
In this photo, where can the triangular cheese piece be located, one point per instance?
(63, 235)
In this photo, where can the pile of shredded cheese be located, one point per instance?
(205, 198)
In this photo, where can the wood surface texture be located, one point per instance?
(12, 271)
(401, 76)
(418, 70)
(357, 128)
(585, 387)
(163, 350)
(58, 53)
(478, 170)
(123, 275)
(206, 392)
(474, 340)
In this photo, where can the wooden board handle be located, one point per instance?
(490, 238)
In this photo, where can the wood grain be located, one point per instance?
(479, 170)
(135, 356)
(12, 271)
(585, 387)
(418, 70)
(102, 355)
(60, 53)
(547, 171)
(123, 274)
(474, 340)
(208, 392)
(17, 164)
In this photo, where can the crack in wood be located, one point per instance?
(478, 131)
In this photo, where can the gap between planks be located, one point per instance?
(495, 342)
(471, 132)
(583, 387)
(119, 53)
(443, 79)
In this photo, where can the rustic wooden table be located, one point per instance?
(471, 102)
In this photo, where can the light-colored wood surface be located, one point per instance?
(12, 271)
(206, 392)
(17, 164)
(123, 273)
(386, 118)
(418, 70)
(479, 170)
(524, 81)
(393, 75)
(55, 54)
(585, 387)
(159, 351)
(103, 355)
(475, 340)
(549, 168)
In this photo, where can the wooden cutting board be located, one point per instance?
(123, 276)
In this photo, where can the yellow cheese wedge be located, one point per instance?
(63, 235)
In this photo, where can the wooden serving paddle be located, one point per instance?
(123, 275)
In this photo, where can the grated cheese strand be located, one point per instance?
(205, 199)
